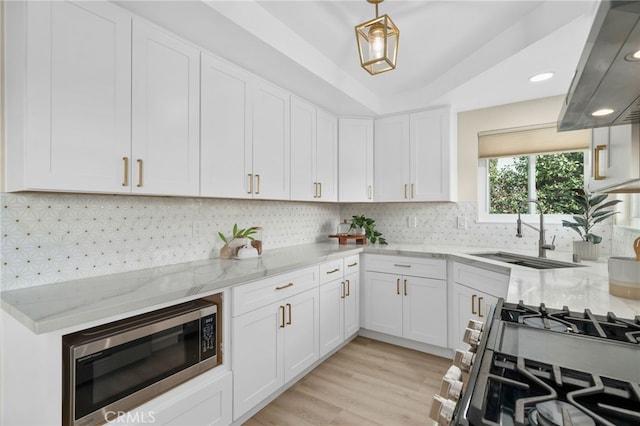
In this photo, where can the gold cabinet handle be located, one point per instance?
(398, 286)
(289, 306)
(412, 191)
(282, 316)
(250, 191)
(333, 271)
(405, 287)
(596, 162)
(370, 192)
(405, 190)
(351, 265)
(258, 184)
(320, 186)
(473, 304)
(284, 286)
(125, 182)
(139, 172)
(401, 265)
(342, 292)
(480, 307)
(348, 288)
(315, 189)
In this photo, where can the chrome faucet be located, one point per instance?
(542, 245)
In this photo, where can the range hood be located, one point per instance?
(607, 75)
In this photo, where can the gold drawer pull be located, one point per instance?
(348, 288)
(342, 293)
(351, 265)
(250, 191)
(411, 190)
(289, 306)
(126, 171)
(473, 304)
(405, 287)
(258, 184)
(405, 190)
(480, 307)
(315, 189)
(596, 162)
(398, 286)
(401, 265)
(320, 186)
(284, 286)
(333, 271)
(370, 192)
(282, 317)
(139, 173)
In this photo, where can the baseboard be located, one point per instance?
(406, 343)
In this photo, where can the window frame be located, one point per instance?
(483, 198)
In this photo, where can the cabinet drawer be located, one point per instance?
(490, 282)
(256, 294)
(411, 266)
(352, 264)
(331, 270)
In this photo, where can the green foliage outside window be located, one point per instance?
(557, 177)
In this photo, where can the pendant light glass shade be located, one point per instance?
(378, 43)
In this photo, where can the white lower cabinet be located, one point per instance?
(274, 343)
(404, 305)
(475, 290)
(339, 305)
(204, 400)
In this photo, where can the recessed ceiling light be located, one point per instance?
(633, 56)
(602, 112)
(541, 77)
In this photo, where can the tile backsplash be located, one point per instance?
(48, 237)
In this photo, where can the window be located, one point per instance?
(530, 163)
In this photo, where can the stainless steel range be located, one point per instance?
(533, 365)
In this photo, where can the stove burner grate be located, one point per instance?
(563, 320)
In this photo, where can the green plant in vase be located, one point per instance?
(227, 252)
(368, 226)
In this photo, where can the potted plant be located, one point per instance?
(594, 210)
(227, 251)
(367, 226)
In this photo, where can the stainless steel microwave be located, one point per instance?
(112, 368)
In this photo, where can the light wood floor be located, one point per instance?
(365, 383)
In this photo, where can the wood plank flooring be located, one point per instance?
(365, 383)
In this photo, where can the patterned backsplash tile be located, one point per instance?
(48, 237)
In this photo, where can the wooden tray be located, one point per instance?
(342, 239)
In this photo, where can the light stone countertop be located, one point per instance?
(84, 302)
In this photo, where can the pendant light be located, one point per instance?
(378, 43)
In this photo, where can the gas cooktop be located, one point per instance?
(540, 366)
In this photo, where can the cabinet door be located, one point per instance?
(224, 140)
(301, 343)
(303, 159)
(165, 115)
(355, 159)
(257, 356)
(429, 156)
(425, 310)
(468, 303)
(618, 148)
(383, 303)
(78, 109)
(391, 151)
(270, 135)
(326, 154)
(332, 315)
(351, 305)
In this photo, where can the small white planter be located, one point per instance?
(586, 250)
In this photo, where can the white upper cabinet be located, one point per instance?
(68, 87)
(615, 158)
(165, 113)
(304, 186)
(225, 140)
(267, 170)
(391, 151)
(326, 155)
(355, 159)
(314, 153)
(413, 160)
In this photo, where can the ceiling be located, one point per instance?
(465, 53)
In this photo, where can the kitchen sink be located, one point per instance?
(527, 261)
